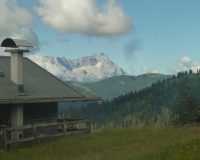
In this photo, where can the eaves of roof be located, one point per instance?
(14, 101)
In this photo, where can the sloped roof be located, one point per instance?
(39, 86)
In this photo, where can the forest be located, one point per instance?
(163, 103)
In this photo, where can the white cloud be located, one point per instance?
(184, 65)
(16, 22)
(38, 58)
(85, 17)
(148, 70)
(185, 60)
(143, 70)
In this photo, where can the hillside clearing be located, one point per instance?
(141, 143)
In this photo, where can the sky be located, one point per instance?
(140, 36)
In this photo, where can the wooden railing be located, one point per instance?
(35, 136)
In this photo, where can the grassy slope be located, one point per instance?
(128, 144)
(83, 90)
(115, 86)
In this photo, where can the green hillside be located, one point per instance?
(149, 105)
(115, 86)
(82, 89)
(112, 87)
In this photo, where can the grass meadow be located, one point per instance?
(146, 143)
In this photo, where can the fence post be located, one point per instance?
(4, 137)
(34, 130)
(63, 127)
(88, 125)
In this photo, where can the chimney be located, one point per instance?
(16, 61)
(16, 80)
(17, 71)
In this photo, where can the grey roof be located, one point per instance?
(38, 83)
(15, 43)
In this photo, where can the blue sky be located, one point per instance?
(138, 35)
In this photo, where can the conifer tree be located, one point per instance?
(186, 72)
(71, 112)
(186, 109)
(71, 115)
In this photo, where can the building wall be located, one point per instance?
(37, 113)
(5, 120)
(41, 113)
(5, 115)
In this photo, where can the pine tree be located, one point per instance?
(186, 109)
(71, 112)
(186, 72)
(71, 115)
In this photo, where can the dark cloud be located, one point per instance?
(89, 39)
(45, 42)
(130, 49)
(62, 40)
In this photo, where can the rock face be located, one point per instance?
(86, 69)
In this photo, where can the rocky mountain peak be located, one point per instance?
(85, 69)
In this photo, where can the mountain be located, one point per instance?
(118, 85)
(86, 69)
(151, 105)
(112, 87)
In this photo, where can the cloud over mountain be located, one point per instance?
(85, 17)
(143, 70)
(52, 68)
(184, 65)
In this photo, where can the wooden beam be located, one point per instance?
(48, 124)
(88, 126)
(50, 100)
(34, 131)
(64, 127)
(20, 140)
(52, 135)
(4, 138)
(19, 128)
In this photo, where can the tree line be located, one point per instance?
(171, 101)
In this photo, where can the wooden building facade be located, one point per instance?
(29, 93)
